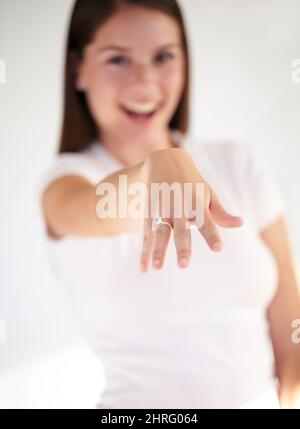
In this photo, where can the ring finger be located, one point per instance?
(161, 237)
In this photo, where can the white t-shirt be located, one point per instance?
(173, 338)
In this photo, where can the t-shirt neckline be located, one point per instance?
(96, 145)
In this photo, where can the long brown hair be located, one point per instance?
(79, 127)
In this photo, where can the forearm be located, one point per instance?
(117, 219)
(74, 206)
(70, 205)
(289, 378)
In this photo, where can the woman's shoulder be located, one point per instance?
(246, 171)
(226, 152)
(84, 163)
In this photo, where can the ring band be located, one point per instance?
(157, 222)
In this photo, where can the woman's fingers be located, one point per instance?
(210, 233)
(154, 245)
(161, 240)
(183, 242)
(147, 245)
(220, 215)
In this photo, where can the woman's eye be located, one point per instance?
(164, 57)
(117, 60)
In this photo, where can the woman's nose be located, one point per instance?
(143, 73)
(142, 91)
(142, 85)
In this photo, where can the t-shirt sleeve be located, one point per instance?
(264, 197)
(67, 164)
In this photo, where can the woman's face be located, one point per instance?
(133, 73)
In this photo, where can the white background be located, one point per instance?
(241, 89)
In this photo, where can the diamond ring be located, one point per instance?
(157, 222)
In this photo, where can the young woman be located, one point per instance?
(180, 317)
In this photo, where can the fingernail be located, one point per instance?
(183, 262)
(156, 263)
(238, 218)
(217, 246)
(143, 267)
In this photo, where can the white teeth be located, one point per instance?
(141, 107)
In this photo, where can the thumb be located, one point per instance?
(220, 215)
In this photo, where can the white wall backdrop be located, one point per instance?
(242, 89)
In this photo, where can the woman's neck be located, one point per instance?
(135, 149)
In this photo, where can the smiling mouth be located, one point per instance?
(141, 113)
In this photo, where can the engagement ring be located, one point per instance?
(157, 222)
